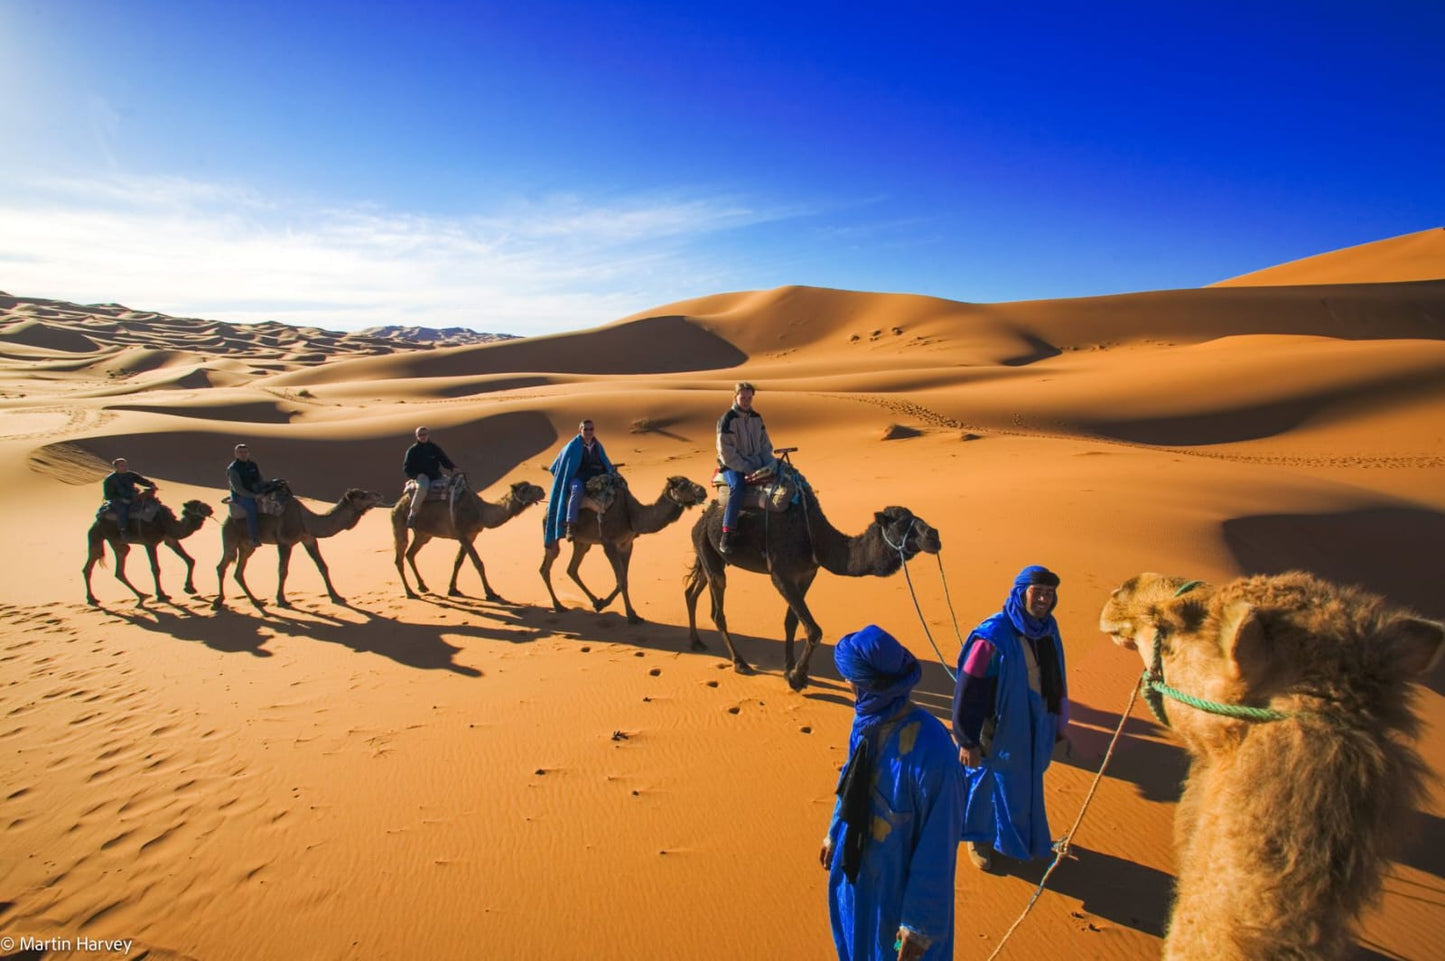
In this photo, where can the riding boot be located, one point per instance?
(725, 543)
(571, 530)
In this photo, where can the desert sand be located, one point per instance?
(452, 778)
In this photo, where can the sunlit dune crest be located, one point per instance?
(451, 777)
(1417, 256)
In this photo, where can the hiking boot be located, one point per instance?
(725, 543)
(981, 855)
(571, 530)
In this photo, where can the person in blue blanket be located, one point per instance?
(1010, 710)
(120, 488)
(580, 460)
(893, 842)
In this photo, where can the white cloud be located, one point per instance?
(199, 249)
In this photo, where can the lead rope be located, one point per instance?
(903, 559)
(1061, 846)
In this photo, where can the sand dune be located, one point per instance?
(455, 778)
(1417, 256)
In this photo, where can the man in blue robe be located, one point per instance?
(1010, 707)
(579, 461)
(893, 842)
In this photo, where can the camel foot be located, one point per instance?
(338, 599)
(496, 598)
(456, 593)
(598, 604)
(413, 595)
(797, 681)
(281, 602)
(743, 667)
(92, 602)
(190, 589)
(163, 597)
(696, 644)
(557, 606)
(635, 618)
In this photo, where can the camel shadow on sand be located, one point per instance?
(180, 620)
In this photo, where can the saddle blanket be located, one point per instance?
(440, 488)
(273, 504)
(775, 491)
(144, 511)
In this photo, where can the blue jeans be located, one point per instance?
(122, 515)
(253, 516)
(737, 484)
(576, 490)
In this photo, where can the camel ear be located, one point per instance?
(1242, 640)
(1419, 643)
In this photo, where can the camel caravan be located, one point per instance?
(1293, 697)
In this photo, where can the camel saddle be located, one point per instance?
(599, 492)
(272, 502)
(440, 489)
(143, 510)
(773, 489)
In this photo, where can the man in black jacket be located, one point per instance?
(119, 488)
(243, 475)
(425, 462)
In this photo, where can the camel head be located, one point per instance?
(197, 509)
(362, 501)
(1289, 640)
(685, 493)
(900, 527)
(524, 494)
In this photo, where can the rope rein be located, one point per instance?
(901, 548)
(1061, 846)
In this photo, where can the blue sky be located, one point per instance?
(539, 167)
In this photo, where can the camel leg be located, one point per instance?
(417, 540)
(314, 549)
(692, 590)
(574, 571)
(717, 585)
(161, 595)
(793, 593)
(180, 552)
(243, 554)
(121, 550)
(621, 558)
(467, 550)
(399, 533)
(790, 623)
(549, 557)
(95, 553)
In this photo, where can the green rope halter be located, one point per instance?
(1155, 690)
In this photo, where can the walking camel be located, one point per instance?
(164, 528)
(1300, 722)
(297, 524)
(460, 518)
(615, 529)
(790, 547)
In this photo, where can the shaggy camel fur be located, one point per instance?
(163, 529)
(615, 529)
(298, 524)
(1284, 826)
(460, 518)
(790, 547)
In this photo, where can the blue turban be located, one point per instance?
(883, 670)
(1018, 613)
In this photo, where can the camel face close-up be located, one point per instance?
(1292, 695)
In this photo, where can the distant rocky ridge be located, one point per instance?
(437, 336)
(61, 326)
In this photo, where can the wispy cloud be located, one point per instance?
(201, 249)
